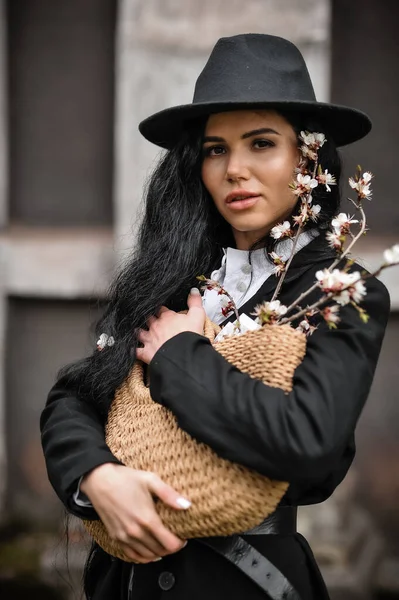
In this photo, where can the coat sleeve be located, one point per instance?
(292, 437)
(73, 442)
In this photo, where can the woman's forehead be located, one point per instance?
(240, 120)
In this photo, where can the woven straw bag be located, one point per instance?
(226, 498)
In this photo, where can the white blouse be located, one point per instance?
(243, 279)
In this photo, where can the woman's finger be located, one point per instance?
(169, 496)
(140, 548)
(195, 309)
(151, 320)
(168, 540)
(136, 556)
(165, 492)
(143, 335)
(142, 354)
(140, 532)
(147, 545)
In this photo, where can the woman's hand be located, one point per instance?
(123, 499)
(168, 324)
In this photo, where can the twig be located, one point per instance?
(317, 304)
(302, 296)
(216, 285)
(379, 270)
(338, 259)
(281, 280)
(354, 240)
(330, 295)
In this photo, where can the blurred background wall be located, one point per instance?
(76, 77)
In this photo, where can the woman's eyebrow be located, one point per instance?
(258, 131)
(248, 134)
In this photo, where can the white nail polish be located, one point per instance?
(195, 291)
(183, 503)
(157, 559)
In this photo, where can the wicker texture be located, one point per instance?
(226, 497)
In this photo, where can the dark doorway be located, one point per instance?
(61, 91)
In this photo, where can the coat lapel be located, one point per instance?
(315, 252)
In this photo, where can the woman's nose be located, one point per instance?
(236, 168)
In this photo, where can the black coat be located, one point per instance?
(305, 437)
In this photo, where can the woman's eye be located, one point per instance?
(214, 151)
(262, 144)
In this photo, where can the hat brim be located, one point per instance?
(345, 125)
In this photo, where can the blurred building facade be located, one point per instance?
(75, 79)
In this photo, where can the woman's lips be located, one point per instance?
(243, 204)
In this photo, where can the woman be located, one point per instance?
(215, 195)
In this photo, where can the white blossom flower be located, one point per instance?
(304, 184)
(308, 152)
(104, 340)
(311, 143)
(306, 327)
(335, 240)
(391, 255)
(362, 185)
(342, 223)
(367, 177)
(345, 287)
(269, 312)
(331, 316)
(303, 216)
(329, 281)
(278, 262)
(224, 301)
(314, 212)
(302, 166)
(326, 179)
(357, 288)
(281, 230)
(314, 140)
(276, 307)
(307, 211)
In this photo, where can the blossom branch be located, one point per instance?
(354, 287)
(300, 229)
(316, 305)
(358, 235)
(302, 296)
(211, 284)
(281, 280)
(380, 269)
(342, 287)
(339, 258)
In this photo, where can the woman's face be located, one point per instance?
(250, 154)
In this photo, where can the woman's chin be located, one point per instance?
(260, 229)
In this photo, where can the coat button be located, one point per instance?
(241, 287)
(247, 268)
(166, 581)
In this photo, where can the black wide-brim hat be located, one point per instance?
(255, 71)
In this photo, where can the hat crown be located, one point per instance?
(255, 71)
(254, 67)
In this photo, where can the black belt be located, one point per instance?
(251, 562)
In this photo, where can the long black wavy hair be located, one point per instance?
(181, 235)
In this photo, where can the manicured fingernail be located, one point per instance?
(183, 502)
(157, 559)
(195, 292)
(185, 544)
